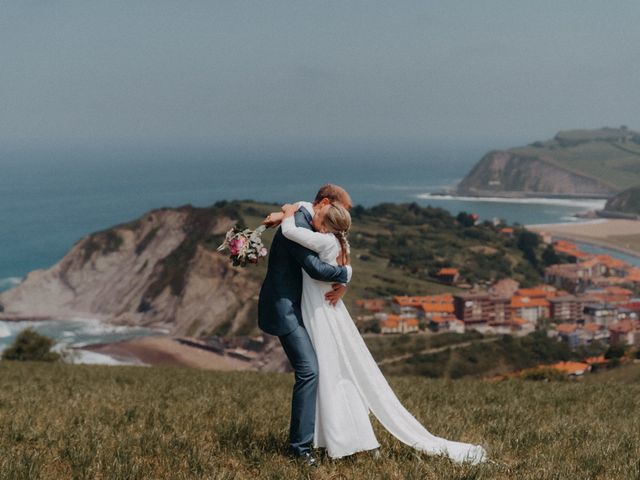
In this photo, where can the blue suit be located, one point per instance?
(279, 314)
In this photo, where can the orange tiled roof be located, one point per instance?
(596, 360)
(615, 290)
(519, 321)
(394, 321)
(411, 322)
(633, 274)
(571, 367)
(593, 327)
(443, 318)
(448, 271)
(406, 301)
(566, 328)
(610, 261)
(437, 307)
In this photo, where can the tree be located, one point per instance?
(527, 243)
(615, 351)
(29, 345)
(549, 256)
(465, 219)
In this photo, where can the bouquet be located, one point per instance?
(245, 246)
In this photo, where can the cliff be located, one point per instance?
(626, 202)
(576, 163)
(160, 270)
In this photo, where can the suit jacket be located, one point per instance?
(281, 293)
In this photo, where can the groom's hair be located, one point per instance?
(334, 194)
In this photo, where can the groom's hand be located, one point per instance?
(337, 292)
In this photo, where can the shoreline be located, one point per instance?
(167, 351)
(597, 233)
(591, 203)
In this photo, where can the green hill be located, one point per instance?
(62, 421)
(597, 162)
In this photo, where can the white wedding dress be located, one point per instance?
(350, 382)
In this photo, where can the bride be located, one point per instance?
(350, 383)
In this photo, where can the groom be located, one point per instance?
(279, 313)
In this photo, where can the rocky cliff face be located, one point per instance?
(504, 172)
(627, 202)
(160, 270)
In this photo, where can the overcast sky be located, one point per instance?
(318, 72)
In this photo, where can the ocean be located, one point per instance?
(50, 198)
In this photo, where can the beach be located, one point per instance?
(168, 351)
(617, 234)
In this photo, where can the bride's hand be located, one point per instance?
(273, 219)
(289, 209)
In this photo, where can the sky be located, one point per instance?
(323, 73)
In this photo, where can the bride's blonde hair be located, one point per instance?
(338, 221)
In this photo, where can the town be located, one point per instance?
(590, 300)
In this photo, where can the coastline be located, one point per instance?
(167, 351)
(620, 235)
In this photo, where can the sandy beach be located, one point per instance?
(618, 234)
(168, 351)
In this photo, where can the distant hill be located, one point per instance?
(163, 270)
(575, 163)
(626, 202)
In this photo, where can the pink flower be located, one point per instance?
(235, 245)
(263, 252)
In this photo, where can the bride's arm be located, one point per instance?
(316, 241)
(275, 218)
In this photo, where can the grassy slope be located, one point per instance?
(66, 421)
(594, 153)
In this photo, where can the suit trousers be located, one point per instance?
(299, 349)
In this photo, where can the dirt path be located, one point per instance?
(429, 351)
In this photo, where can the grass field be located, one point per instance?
(93, 422)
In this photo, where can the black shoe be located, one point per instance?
(308, 459)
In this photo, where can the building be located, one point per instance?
(610, 294)
(399, 324)
(481, 308)
(448, 275)
(568, 308)
(442, 307)
(600, 313)
(507, 232)
(594, 332)
(444, 322)
(415, 306)
(568, 332)
(372, 305)
(531, 309)
(625, 331)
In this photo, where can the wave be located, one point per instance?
(4, 330)
(588, 203)
(9, 282)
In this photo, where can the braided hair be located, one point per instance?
(338, 222)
